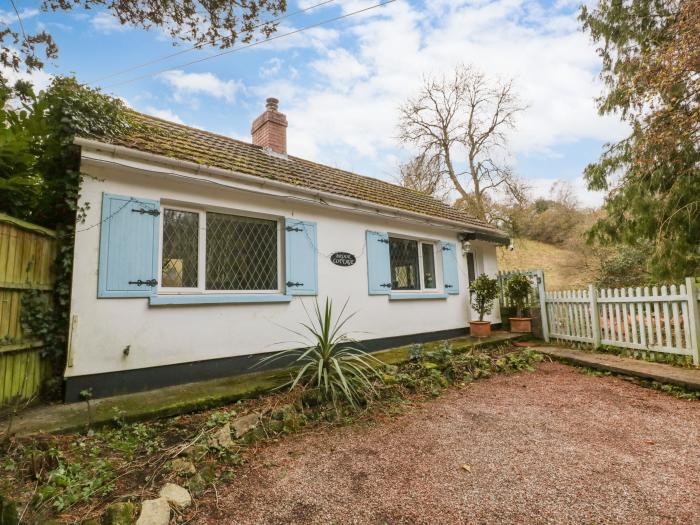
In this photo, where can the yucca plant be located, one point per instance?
(331, 364)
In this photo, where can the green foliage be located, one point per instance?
(87, 468)
(673, 390)
(650, 69)
(20, 182)
(40, 179)
(441, 368)
(626, 266)
(86, 394)
(556, 220)
(484, 291)
(440, 356)
(416, 352)
(132, 440)
(37, 316)
(335, 370)
(518, 289)
(676, 391)
(684, 361)
(8, 512)
(217, 419)
(73, 481)
(285, 420)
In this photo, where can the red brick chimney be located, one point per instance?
(269, 130)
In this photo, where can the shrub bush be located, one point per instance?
(518, 289)
(484, 291)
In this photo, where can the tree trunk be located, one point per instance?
(451, 171)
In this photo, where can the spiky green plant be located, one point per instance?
(331, 364)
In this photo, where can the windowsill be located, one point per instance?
(229, 298)
(417, 295)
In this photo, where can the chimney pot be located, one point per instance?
(269, 130)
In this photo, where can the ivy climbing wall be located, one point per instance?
(27, 254)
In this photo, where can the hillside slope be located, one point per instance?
(563, 269)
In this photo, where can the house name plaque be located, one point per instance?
(343, 259)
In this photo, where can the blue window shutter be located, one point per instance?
(450, 273)
(128, 246)
(378, 264)
(301, 276)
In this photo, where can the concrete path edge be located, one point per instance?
(190, 397)
(688, 378)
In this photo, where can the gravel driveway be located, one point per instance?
(553, 446)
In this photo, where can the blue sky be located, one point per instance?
(341, 84)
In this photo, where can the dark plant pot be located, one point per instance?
(479, 328)
(520, 325)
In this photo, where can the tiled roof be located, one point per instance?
(160, 137)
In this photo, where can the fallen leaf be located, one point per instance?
(649, 442)
(466, 467)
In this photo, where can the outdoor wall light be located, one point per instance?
(466, 247)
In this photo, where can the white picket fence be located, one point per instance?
(665, 319)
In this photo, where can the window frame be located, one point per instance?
(421, 277)
(202, 251)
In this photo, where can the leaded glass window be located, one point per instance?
(403, 255)
(241, 253)
(412, 264)
(180, 259)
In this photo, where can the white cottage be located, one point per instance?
(198, 251)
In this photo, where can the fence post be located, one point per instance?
(694, 315)
(595, 317)
(543, 305)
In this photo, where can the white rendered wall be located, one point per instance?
(162, 335)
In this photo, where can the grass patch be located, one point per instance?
(564, 269)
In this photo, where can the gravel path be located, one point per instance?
(554, 446)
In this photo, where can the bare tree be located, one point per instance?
(465, 114)
(425, 176)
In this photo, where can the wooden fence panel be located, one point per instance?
(27, 253)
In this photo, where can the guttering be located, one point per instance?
(122, 151)
(487, 237)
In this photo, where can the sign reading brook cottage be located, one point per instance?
(343, 259)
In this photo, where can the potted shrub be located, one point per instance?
(484, 291)
(518, 289)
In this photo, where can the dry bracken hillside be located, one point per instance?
(563, 269)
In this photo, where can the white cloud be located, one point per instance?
(186, 85)
(165, 114)
(341, 68)
(271, 68)
(349, 109)
(106, 23)
(289, 37)
(39, 78)
(10, 17)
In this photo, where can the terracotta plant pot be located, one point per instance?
(479, 328)
(520, 325)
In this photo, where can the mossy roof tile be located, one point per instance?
(161, 137)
